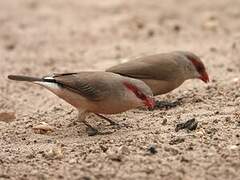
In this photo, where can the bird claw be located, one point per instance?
(116, 126)
(166, 105)
(119, 126)
(93, 132)
(112, 123)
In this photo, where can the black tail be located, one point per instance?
(24, 78)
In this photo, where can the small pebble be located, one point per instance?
(123, 150)
(201, 133)
(4, 176)
(164, 122)
(140, 24)
(176, 27)
(211, 24)
(54, 153)
(213, 49)
(227, 119)
(114, 156)
(234, 45)
(103, 148)
(85, 178)
(10, 46)
(117, 154)
(7, 117)
(150, 33)
(232, 147)
(172, 150)
(235, 79)
(230, 69)
(42, 128)
(176, 141)
(152, 149)
(72, 161)
(184, 159)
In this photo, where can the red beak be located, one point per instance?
(204, 77)
(150, 103)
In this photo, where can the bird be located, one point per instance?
(96, 92)
(163, 72)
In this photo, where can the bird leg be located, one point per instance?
(107, 119)
(90, 130)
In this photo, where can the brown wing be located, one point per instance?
(86, 84)
(158, 66)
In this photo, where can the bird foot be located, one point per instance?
(122, 125)
(93, 132)
(116, 126)
(111, 122)
(166, 104)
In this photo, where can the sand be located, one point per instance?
(41, 37)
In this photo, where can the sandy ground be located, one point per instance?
(41, 37)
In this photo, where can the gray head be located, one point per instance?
(141, 91)
(192, 65)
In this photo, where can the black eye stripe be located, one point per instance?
(197, 64)
(140, 95)
(135, 90)
(200, 68)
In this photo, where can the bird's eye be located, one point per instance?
(198, 64)
(140, 95)
(200, 68)
(135, 90)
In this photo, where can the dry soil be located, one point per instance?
(42, 37)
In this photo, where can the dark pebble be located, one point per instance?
(238, 123)
(177, 28)
(152, 149)
(150, 33)
(164, 122)
(86, 178)
(10, 47)
(103, 148)
(190, 125)
(4, 176)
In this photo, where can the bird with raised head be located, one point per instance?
(96, 92)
